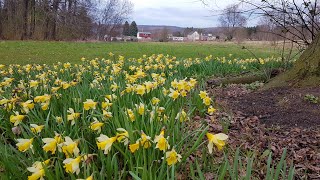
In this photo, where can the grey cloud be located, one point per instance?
(184, 17)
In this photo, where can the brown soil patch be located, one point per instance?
(281, 106)
(272, 120)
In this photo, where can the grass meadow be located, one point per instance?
(76, 111)
(25, 52)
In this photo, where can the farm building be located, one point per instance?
(144, 35)
(193, 36)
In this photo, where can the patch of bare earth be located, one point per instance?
(274, 119)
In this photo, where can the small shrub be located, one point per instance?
(311, 98)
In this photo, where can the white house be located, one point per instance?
(174, 38)
(193, 36)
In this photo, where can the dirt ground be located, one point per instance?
(286, 107)
(274, 119)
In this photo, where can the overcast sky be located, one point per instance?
(183, 13)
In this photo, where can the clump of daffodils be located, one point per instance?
(83, 115)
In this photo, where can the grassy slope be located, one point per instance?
(23, 52)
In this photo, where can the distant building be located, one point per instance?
(193, 36)
(144, 35)
(207, 37)
(174, 38)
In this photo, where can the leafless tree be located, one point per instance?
(231, 19)
(112, 16)
(60, 19)
(299, 21)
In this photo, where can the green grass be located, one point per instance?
(94, 82)
(24, 52)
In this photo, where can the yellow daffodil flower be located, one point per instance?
(72, 116)
(217, 139)
(106, 104)
(24, 144)
(140, 89)
(183, 93)
(105, 143)
(174, 94)
(33, 83)
(59, 119)
(51, 143)
(203, 94)
(70, 147)
(155, 101)
(72, 165)
(162, 143)
(65, 85)
(27, 106)
(16, 119)
(172, 157)
(207, 101)
(165, 91)
(145, 140)
(114, 87)
(37, 170)
(211, 110)
(134, 147)
(123, 136)
(107, 114)
(42, 99)
(89, 104)
(140, 108)
(182, 116)
(111, 97)
(131, 115)
(54, 89)
(149, 86)
(88, 178)
(36, 129)
(96, 126)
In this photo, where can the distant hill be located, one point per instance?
(153, 28)
(159, 27)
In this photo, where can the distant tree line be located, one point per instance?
(62, 19)
(130, 30)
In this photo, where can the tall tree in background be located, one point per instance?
(188, 30)
(114, 13)
(61, 19)
(1, 18)
(126, 29)
(133, 28)
(231, 19)
(164, 35)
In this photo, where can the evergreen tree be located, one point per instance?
(126, 29)
(133, 29)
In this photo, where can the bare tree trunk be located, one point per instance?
(305, 72)
(46, 29)
(25, 20)
(33, 18)
(1, 17)
(54, 19)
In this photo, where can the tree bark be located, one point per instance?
(25, 20)
(305, 72)
(1, 18)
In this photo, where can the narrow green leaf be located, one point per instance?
(134, 176)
